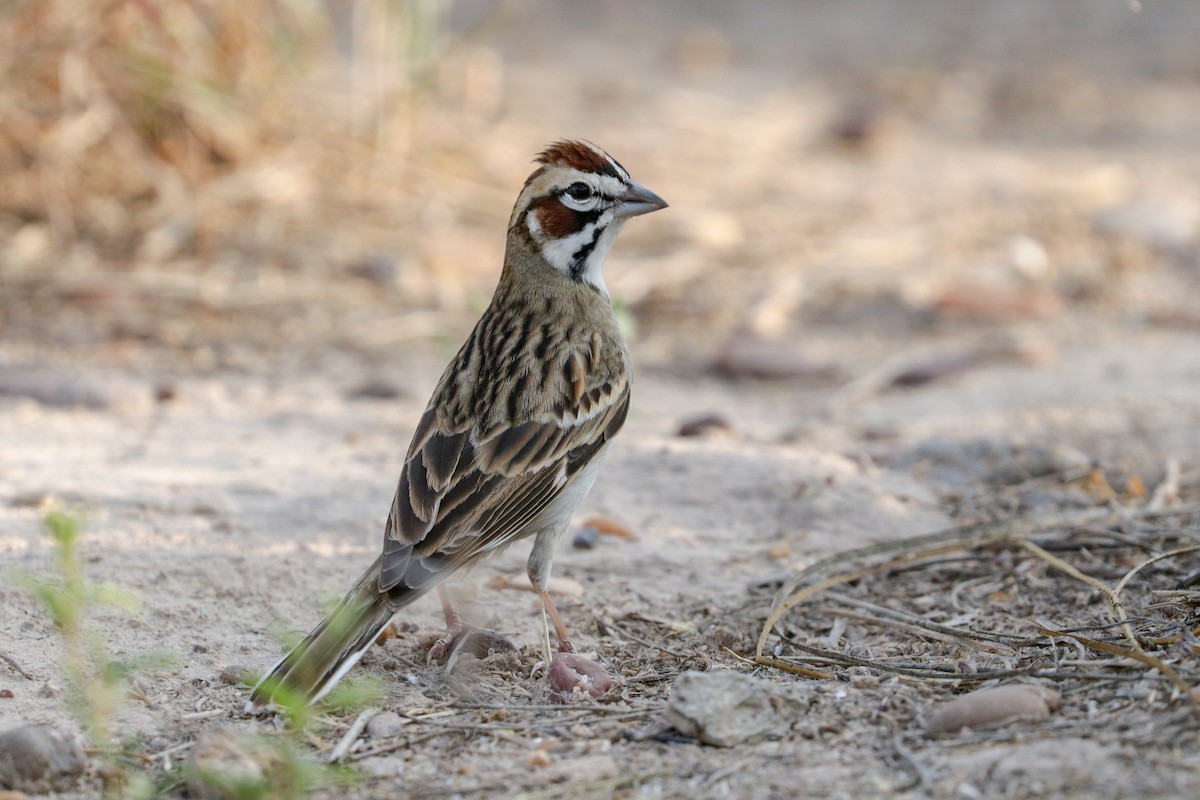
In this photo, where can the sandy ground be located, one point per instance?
(975, 274)
(237, 508)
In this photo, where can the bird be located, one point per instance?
(517, 426)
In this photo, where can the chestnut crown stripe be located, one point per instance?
(583, 157)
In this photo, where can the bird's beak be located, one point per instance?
(637, 200)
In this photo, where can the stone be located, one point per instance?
(727, 708)
(993, 707)
(40, 759)
(385, 725)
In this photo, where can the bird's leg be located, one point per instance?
(569, 674)
(454, 627)
(464, 637)
(560, 630)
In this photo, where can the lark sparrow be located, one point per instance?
(517, 427)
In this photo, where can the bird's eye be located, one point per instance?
(579, 191)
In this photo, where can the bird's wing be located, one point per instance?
(462, 493)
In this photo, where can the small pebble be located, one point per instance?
(385, 725)
(586, 539)
(234, 674)
(864, 125)
(40, 759)
(993, 707)
(704, 425)
(225, 765)
(6, 694)
(375, 389)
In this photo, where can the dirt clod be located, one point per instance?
(40, 759)
(727, 708)
(234, 674)
(385, 725)
(226, 764)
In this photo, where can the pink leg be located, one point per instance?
(560, 630)
(570, 675)
(454, 626)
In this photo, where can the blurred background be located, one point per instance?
(202, 183)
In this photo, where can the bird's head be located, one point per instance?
(575, 204)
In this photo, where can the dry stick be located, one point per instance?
(967, 536)
(1136, 655)
(12, 662)
(946, 541)
(922, 776)
(599, 709)
(785, 666)
(347, 741)
(398, 745)
(837, 580)
(1169, 554)
(914, 621)
(933, 673)
(1113, 599)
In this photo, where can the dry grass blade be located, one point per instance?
(1135, 570)
(885, 615)
(1000, 594)
(1136, 655)
(915, 549)
(784, 666)
(1113, 598)
(351, 736)
(12, 662)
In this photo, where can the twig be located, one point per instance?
(934, 672)
(347, 741)
(785, 666)
(12, 662)
(927, 546)
(913, 621)
(1169, 554)
(170, 751)
(538, 707)
(210, 714)
(1113, 597)
(727, 770)
(922, 777)
(1137, 655)
(794, 669)
(398, 745)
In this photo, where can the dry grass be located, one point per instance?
(179, 173)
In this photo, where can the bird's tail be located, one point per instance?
(312, 667)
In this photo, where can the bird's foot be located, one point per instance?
(441, 648)
(571, 675)
(467, 639)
